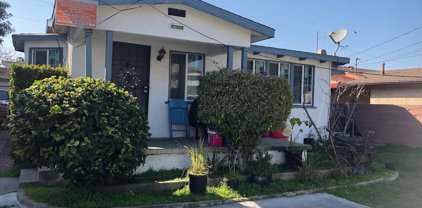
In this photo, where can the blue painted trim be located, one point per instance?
(88, 52)
(244, 64)
(230, 51)
(300, 54)
(207, 8)
(36, 37)
(108, 55)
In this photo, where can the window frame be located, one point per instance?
(34, 49)
(291, 77)
(186, 70)
(303, 84)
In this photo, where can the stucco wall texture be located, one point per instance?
(392, 124)
(406, 94)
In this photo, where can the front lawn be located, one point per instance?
(70, 196)
(406, 191)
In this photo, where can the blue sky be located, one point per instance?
(297, 22)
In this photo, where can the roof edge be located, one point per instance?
(19, 39)
(300, 54)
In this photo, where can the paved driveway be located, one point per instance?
(320, 200)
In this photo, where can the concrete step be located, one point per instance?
(28, 176)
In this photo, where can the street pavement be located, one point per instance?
(319, 200)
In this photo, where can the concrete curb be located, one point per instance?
(26, 201)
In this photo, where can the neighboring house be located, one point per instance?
(395, 87)
(394, 104)
(172, 42)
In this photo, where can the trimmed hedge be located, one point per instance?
(87, 129)
(243, 106)
(23, 76)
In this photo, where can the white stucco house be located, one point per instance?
(197, 38)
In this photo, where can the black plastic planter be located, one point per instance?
(261, 180)
(310, 141)
(233, 183)
(198, 184)
(293, 160)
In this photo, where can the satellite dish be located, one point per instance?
(337, 37)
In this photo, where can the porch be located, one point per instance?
(178, 146)
(165, 153)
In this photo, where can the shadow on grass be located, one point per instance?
(70, 196)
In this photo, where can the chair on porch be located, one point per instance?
(178, 116)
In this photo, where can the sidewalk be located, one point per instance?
(320, 200)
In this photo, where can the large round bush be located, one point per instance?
(87, 129)
(243, 106)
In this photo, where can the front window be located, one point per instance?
(300, 77)
(259, 67)
(303, 78)
(273, 69)
(185, 71)
(285, 71)
(46, 57)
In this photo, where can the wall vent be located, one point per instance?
(176, 12)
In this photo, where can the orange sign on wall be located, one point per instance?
(76, 13)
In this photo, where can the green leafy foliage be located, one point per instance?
(23, 76)
(261, 165)
(243, 106)
(308, 172)
(87, 129)
(198, 157)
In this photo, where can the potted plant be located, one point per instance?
(309, 140)
(261, 169)
(232, 178)
(198, 172)
(293, 157)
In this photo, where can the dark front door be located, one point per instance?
(131, 64)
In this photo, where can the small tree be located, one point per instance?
(5, 25)
(243, 106)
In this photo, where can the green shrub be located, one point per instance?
(261, 165)
(87, 129)
(23, 76)
(243, 106)
(308, 172)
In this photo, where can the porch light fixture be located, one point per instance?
(161, 54)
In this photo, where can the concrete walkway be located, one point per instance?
(320, 200)
(8, 185)
(9, 200)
